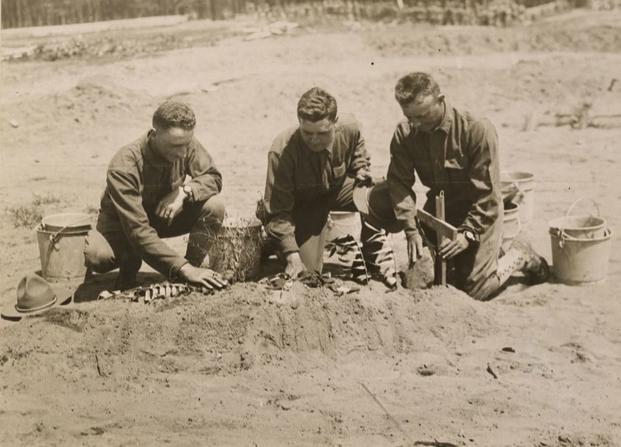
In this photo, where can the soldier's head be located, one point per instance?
(420, 99)
(173, 129)
(317, 117)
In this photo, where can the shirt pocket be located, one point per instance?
(456, 172)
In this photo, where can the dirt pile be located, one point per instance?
(122, 44)
(235, 330)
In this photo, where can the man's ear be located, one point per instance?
(336, 118)
(441, 97)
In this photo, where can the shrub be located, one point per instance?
(25, 216)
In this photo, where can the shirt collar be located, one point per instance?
(329, 150)
(447, 119)
(151, 154)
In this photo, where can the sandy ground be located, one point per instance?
(255, 367)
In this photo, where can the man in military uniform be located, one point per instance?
(454, 152)
(164, 184)
(312, 170)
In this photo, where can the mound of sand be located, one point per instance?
(234, 330)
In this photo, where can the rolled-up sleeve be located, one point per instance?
(124, 192)
(206, 179)
(484, 173)
(279, 201)
(400, 180)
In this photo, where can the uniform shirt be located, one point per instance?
(459, 157)
(297, 176)
(137, 179)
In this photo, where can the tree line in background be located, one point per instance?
(22, 13)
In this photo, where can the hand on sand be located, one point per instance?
(295, 266)
(170, 205)
(415, 248)
(205, 277)
(450, 248)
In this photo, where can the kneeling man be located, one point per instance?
(454, 152)
(312, 169)
(164, 184)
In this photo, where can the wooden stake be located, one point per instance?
(440, 267)
(437, 225)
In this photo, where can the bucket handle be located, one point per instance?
(573, 205)
(54, 237)
(515, 185)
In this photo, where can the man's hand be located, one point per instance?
(363, 177)
(205, 277)
(415, 248)
(295, 266)
(170, 205)
(449, 248)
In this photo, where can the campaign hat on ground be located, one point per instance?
(34, 296)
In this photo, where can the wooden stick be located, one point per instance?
(439, 226)
(440, 268)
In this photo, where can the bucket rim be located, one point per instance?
(63, 231)
(344, 213)
(516, 176)
(343, 216)
(569, 238)
(511, 212)
(66, 221)
(552, 223)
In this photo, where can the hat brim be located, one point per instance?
(361, 199)
(64, 297)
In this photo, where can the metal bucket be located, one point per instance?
(580, 260)
(343, 223)
(580, 247)
(511, 225)
(525, 182)
(61, 239)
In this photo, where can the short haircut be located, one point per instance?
(317, 104)
(415, 85)
(174, 114)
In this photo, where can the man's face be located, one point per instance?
(424, 113)
(172, 144)
(318, 136)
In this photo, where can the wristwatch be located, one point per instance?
(470, 237)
